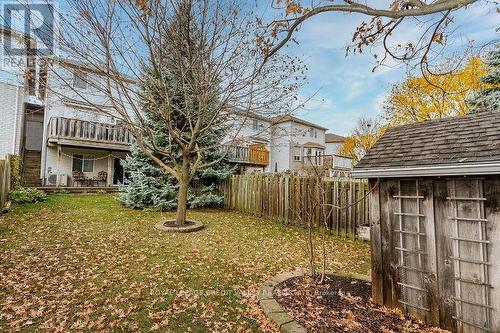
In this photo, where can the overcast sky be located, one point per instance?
(346, 87)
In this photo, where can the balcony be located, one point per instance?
(336, 162)
(252, 155)
(83, 133)
(333, 162)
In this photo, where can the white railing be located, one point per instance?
(337, 162)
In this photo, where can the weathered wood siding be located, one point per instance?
(287, 198)
(436, 251)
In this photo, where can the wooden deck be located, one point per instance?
(77, 132)
(251, 155)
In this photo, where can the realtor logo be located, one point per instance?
(30, 27)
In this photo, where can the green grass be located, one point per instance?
(85, 263)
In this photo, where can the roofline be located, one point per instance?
(430, 170)
(66, 62)
(250, 114)
(288, 117)
(313, 145)
(338, 139)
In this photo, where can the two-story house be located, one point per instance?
(61, 138)
(82, 142)
(296, 144)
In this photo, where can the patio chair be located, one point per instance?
(102, 176)
(78, 178)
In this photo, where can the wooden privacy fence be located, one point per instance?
(4, 181)
(290, 199)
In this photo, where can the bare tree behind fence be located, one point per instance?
(286, 199)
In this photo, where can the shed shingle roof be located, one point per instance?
(474, 138)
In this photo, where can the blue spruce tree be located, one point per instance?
(170, 104)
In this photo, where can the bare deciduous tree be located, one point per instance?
(430, 19)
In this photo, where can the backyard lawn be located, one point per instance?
(85, 263)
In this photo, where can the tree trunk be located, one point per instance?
(182, 203)
(180, 219)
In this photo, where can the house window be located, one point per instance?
(77, 162)
(79, 79)
(83, 163)
(296, 153)
(309, 151)
(88, 164)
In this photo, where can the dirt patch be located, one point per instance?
(172, 224)
(341, 305)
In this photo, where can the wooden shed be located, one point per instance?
(435, 221)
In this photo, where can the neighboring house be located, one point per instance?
(248, 142)
(435, 220)
(333, 143)
(283, 143)
(296, 144)
(339, 166)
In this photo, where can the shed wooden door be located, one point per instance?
(464, 257)
(414, 249)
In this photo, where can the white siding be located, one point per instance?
(243, 133)
(63, 166)
(242, 130)
(56, 105)
(286, 136)
(280, 147)
(333, 148)
(11, 112)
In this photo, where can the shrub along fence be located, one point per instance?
(290, 198)
(5, 174)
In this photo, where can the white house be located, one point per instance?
(296, 144)
(333, 143)
(336, 163)
(81, 144)
(57, 134)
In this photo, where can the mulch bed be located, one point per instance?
(341, 305)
